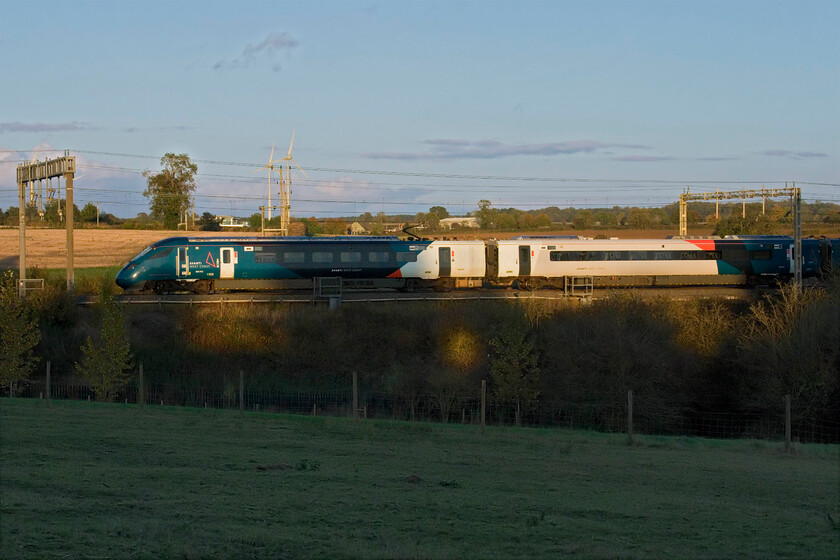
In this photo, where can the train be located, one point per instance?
(203, 265)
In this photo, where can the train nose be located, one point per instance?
(127, 276)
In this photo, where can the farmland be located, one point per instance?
(106, 480)
(46, 248)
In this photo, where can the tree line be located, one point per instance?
(170, 193)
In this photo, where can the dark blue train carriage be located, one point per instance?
(201, 265)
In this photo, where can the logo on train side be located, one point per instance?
(210, 260)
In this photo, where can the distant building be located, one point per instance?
(231, 222)
(465, 222)
(356, 229)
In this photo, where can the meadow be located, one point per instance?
(102, 480)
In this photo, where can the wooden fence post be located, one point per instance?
(141, 393)
(787, 424)
(47, 388)
(483, 403)
(241, 391)
(355, 396)
(630, 416)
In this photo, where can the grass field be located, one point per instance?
(81, 480)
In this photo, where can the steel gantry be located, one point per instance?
(39, 171)
(794, 193)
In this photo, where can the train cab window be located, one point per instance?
(322, 257)
(712, 255)
(350, 257)
(406, 256)
(293, 257)
(265, 258)
(763, 255)
(162, 254)
(379, 256)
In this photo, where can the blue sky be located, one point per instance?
(398, 106)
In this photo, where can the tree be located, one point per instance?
(89, 212)
(107, 361)
(439, 211)
(19, 334)
(485, 214)
(169, 190)
(513, 367)
(208, 222)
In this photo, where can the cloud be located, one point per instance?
(443, 149)
(268, 49)
(790, 154)
(642, 158)
(43, 127)
(133, 129)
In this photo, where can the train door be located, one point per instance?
(183, 263)
(227, 260)
(524, 260)
(445, 260)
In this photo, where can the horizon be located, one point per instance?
(398, 107)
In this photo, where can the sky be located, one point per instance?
(398, 106)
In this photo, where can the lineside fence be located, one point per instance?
(630, 417)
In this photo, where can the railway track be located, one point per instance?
(362, 296)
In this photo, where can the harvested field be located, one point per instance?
(46, 248)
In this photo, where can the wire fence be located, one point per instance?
(610, 418)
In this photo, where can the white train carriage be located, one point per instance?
(539, 262)
(445, 265)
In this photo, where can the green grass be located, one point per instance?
(80, 480)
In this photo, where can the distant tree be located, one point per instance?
(255, 221)
(439, 211)
(170, 189)
(19, 334)
(584, 219)
(543, 220)
(208, 222)
(335, 226)
(106, 362)
(89, 212)
(485, 214)
(513, 367)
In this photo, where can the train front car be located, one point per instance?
(156, 263)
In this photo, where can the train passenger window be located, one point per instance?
(293, 257)
(663, 255)
(558, 256)
(379, 256)
(350, 257)
(688, 255)
(406, 256)
(263, 258)
(712, 255)
(763, 255)
(322, 257)
(637, 256)
(617, 256)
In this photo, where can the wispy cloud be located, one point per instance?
(43, 127)
(443, 149)
(133, 129)
(267, 51)
(642, 158)
(790, 154)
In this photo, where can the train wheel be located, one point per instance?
(202, 287)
